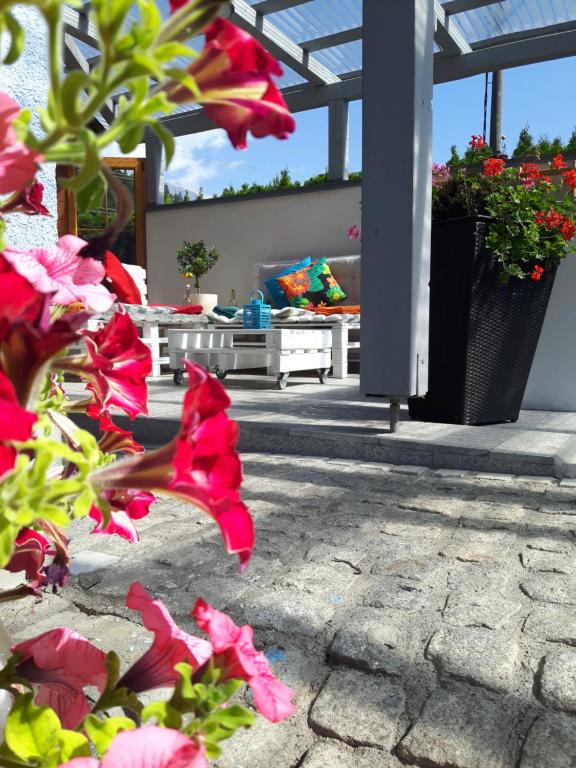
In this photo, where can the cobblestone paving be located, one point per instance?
(422, 618)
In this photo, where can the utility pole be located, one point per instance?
(496, 112)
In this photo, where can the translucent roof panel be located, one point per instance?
(514, 16)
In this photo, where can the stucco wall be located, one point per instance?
(27, 82)
(247, 232)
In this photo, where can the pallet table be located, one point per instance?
(280, 350)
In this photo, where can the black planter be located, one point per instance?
(483, 334)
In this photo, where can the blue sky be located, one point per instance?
(540, 95)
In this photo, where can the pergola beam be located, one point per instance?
(330, 41)
(273, 6)
(448, 34)
(75, 59)
(279, 44)
(77, 24)
(506, 56)
(461, 6)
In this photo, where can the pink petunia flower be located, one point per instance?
(15, 424)
(61, 271)
(148, 747)
(236, 657)
(30, 550)
(125, 507)
(171, 646)
(233, 74)
(62, 663)
(199, 465)
(18, 163)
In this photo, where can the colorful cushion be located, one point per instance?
(312, 287)
(120, 281)
(276, 293)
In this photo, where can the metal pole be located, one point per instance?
(338, 140)
(496, 113)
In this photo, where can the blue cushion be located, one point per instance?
(276, 293)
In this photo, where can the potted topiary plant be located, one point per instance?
(498, 237)
(194, 261)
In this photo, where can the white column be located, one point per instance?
(338, 140)
(396, 196)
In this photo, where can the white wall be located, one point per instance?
(27, 82)
(552, 383)
(247, 232)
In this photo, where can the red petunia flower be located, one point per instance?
(537, 272)
(199, 465)
(115, 439)
(115, 367)
(124, 507)
(494, 166)
(62, 663)
(236, 657)
(171, 646)
(30, 551)
(15, 424)
(28, 201)
(233, 75)
(558, 161)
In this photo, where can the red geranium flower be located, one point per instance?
(233, 75)
(171, 646)
(494, 166)
(477, 142)
(537, 272)
(62, 663)
(200, 465)
(236, 657)
(558, 161)
(124, 507)
(569, 178)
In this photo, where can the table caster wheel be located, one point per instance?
(323, 375)
(221, 374)
(179, 377)
(282, 381)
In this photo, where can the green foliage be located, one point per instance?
(525, 146)
(280, 182)
(571, 143)
(196, 259)
(514, 233)
(34, 734)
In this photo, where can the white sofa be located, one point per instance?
(345, 328)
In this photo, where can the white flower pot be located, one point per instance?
(207, 300)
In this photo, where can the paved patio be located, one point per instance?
(422, 618)
(335, 421)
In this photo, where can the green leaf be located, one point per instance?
(103, 732)
(166, 138)
(72, 744)
(131, 138)
(31, 732)
(91, 162)
(8, 533)
(17, 38)
(75, 83)
(163, 713)
(235, 717)
(92, 194)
